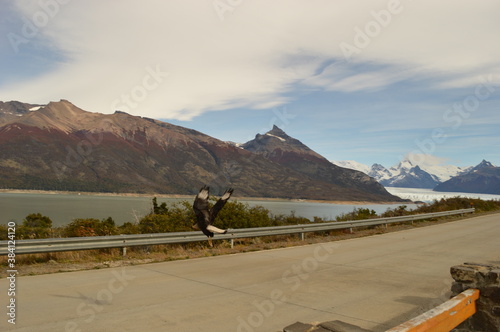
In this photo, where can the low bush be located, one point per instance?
(35, 226)
(179, 217)
(357, 214)
(90, 227)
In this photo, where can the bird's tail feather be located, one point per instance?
(214, 229)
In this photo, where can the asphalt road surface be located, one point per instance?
(374, 282)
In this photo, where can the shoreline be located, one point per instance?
(244, 198)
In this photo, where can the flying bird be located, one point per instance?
(206, 216)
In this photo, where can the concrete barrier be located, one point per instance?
(444, 317)
(485, 278)
(475, 306)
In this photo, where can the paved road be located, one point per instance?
(374, 282)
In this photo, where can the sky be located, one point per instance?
(370, 81)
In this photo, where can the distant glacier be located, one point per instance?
(428, 195)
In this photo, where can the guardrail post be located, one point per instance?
(485, 278)
(302, 236)
(124, 251)
(232, 243)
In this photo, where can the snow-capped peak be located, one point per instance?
(405, 164)
(351, 164)
(36, 108)
(426, 174)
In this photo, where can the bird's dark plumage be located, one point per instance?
(206, 216)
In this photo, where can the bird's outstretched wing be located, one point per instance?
(200, 206)
(220, 204)
(206, 216)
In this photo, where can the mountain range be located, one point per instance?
(59, 146)
(483, 178)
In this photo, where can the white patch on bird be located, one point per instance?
(214, 229)
(226, 196)
(203, 194)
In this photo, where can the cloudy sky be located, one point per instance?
(370, 81)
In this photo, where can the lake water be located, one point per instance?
(63, 208)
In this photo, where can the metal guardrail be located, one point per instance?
(33, 246)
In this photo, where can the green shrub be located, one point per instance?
(357, 214)
(288, 219)
(159, 209)
(106, 227)
(129, 228)
(35, 226)
(238, 215)
(91, 227)
(162, 219)
(4, 232)
(456, 203)
(159, 223)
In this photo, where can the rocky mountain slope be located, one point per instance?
(10, 111)
(289, 152)
(483, 178)
(62, 147)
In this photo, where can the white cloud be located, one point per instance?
(427, 159)
(346, 77)
(252, 57)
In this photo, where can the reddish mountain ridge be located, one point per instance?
(62, 147)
